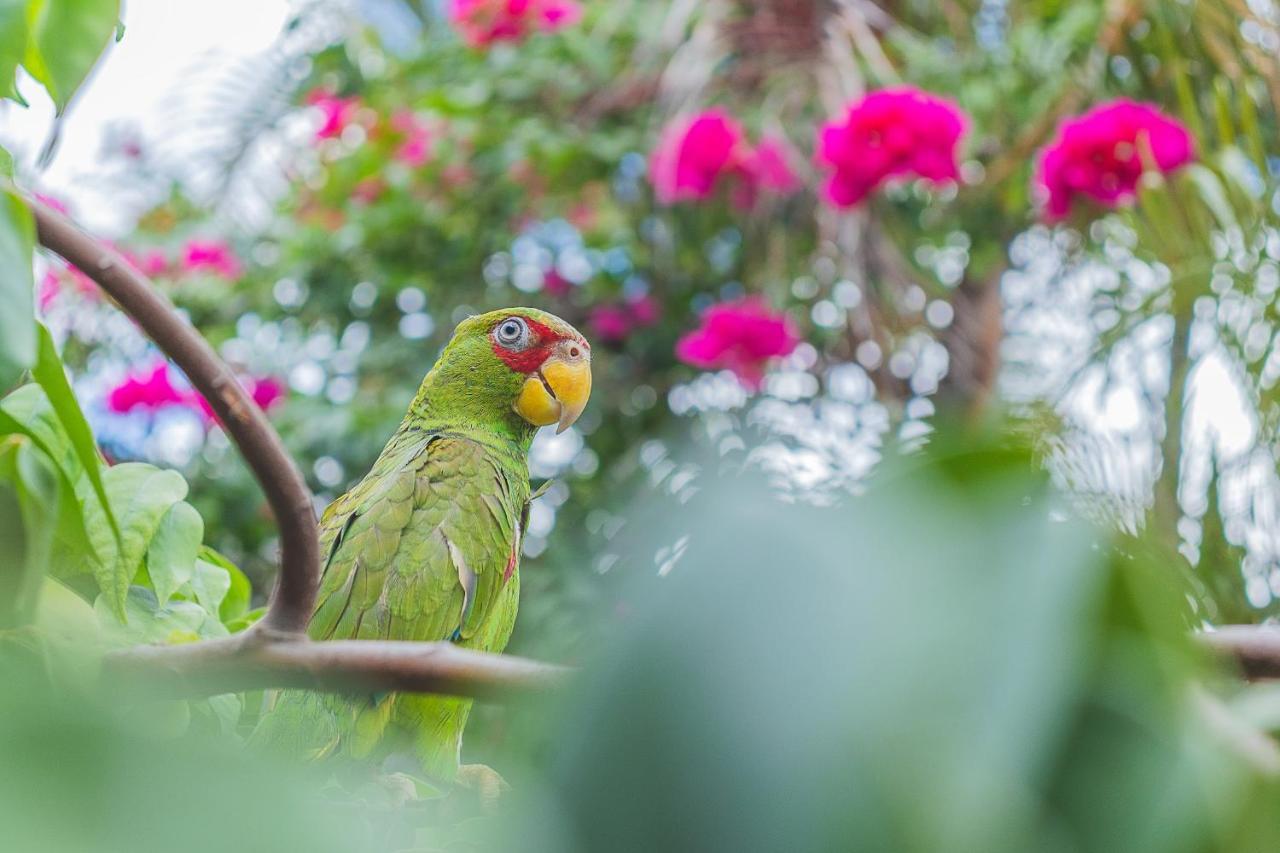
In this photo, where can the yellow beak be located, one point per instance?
(558, 392)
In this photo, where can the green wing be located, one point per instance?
(424, 548)
(421, 548)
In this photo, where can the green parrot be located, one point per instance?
(427, 546)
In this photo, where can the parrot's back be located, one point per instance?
(426, 547)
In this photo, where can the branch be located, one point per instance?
(257, 441)
(255, 661)
(1256, 648)
(275, 652)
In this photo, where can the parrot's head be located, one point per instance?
(519, 361)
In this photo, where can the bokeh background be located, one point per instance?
(814, 243)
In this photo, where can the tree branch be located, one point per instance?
(286, 492)
(254, 661)
(275, 652)
(1256, 648)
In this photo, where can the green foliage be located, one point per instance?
(17, 289)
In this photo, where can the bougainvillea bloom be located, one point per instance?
(150, 263)
(212, 257)
(150, 390)
(554, 284)
(615, 322)
(769, 166)
(485, 22)
(265, 392)
(415, 145)
(694, 155)
(1103, 153)
(336, 112)
(887, 134)
(741, 336)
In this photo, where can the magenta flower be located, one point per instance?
(150, 263)
(415, 145)
(1103, 153)
(770, 166)
(609, 323)
(213, 257)
(336, 112)
(266, 392)
(53, 202)
(693, 156)
(613, 323)
(554, 284)
(151, 390)
(484, 22)
(741, 336)
(887, 134)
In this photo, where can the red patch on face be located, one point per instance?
(542, 339)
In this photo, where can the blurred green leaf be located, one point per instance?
(13, 44)
(65, 41)
(171, 556)
(146, 621)
(17, 289)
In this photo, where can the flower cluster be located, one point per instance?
(614, 322)
(888, 134)
(1102, 154)
(741, 336)
(482, 23)
(698, 155)
(211, 257)
(154, 389)
(335, 112)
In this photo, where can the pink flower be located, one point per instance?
(770, 166)
(613, 323)
(150, 263)
(415, 146)
(1103, 153)
(887, 134)
(55, 203)
(610, 323)
(336, 113)
(554, 284)
(741, 336)
(48, 290)
(265, 392)
(151, 390)
(211, 256)
(694, 155)
(485, 22)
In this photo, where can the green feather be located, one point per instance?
(419, 550)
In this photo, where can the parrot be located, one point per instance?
(427, 546)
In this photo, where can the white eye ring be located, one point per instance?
(512, 333)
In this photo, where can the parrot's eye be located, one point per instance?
(512, 333)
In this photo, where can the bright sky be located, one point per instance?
(164, 42)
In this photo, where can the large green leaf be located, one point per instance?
(141, 495)
(27, 523)
(210, 584)
(144, 620)
(171, 556)
(66, 38)
(13, 557)
(13, 44)
(49, 372)
(236, 603)
(17, 289)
